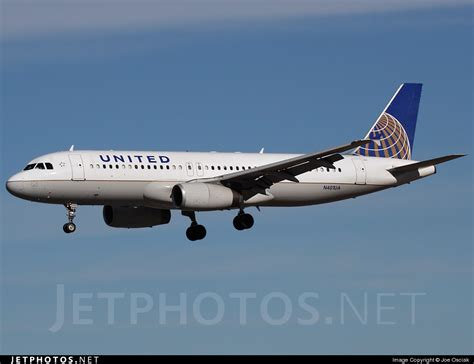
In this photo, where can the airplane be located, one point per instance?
(139, 189)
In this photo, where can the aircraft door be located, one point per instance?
(77, 167)
(361, 175)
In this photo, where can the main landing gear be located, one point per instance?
(70, 227)
(195, 231)
(243, 221)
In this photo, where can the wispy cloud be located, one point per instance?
(27, 19)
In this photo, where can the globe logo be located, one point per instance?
(388, 140)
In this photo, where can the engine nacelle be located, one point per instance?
(204, 196)
(135, 217)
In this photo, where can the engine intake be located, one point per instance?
(204, 196)
(135, 217)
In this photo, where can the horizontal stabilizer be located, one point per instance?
(427, 163)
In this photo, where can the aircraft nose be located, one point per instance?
(15, 187)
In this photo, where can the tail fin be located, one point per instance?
(393, 133)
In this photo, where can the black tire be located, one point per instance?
(196, 232)
(69, 227)
(191, 233)
(246, 220)
(237, 223)
(201, 232)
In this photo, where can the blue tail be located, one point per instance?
(393, 133)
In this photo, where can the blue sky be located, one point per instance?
(294, 77)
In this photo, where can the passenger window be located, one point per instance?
(218, 168)
(117, 166)
(97, 165)
(149, 167)
(39, 166)
(180, 167)
(92, 166)
(104, 166)
(143, 167)
(199, 167)
(111, 166)
(225, 168)
(161, 167)
(212, 167)
(237, 168)
(339, 169)
(50, 166)
(231, 168)
(154, 167)
(189, 167)
(136, 167)
(167, 167)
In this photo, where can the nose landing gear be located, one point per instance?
(70, 227)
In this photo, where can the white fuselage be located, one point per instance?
(124, 178)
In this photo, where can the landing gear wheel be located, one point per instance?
(237, 224)
(247, 221)
(243, 221)
(191, 234)
(69, 227)
(196, 232)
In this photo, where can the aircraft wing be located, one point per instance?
(257, 180)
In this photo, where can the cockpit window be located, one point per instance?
(46, 165)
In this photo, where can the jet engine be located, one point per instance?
(135, 217)
(204, 196)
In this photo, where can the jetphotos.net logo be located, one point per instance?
(53, 359)
(274, 308)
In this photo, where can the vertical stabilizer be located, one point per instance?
(393, 133)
